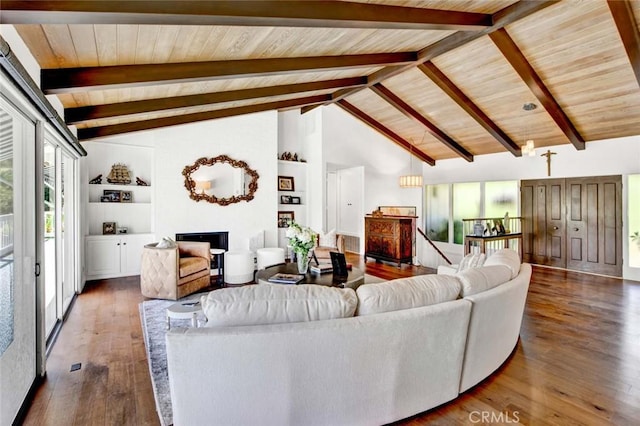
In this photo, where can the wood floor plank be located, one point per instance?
(577, 361)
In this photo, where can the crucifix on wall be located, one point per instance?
(548, 154)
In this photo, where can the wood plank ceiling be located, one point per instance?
(442, 78)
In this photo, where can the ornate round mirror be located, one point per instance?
(220, 180)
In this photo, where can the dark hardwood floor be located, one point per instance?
(577, 362)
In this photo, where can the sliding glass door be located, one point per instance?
(17, 260)
(58, 250)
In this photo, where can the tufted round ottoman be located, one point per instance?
(238, 267)
(270, 256)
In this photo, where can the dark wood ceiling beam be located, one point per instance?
(95, 112)
(512, 53)
(115, 129)
(326, 14)
(448, 87)
(628, 28)
(504, 17)
(370, 121)
(69, 80)
(414, 115)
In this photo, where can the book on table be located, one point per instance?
(282, 278)
(322, 268)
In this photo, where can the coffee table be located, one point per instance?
(353, 280)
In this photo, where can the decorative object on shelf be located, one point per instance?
(285, 218)
(377, 213)
(248, 190)
(478, 229)
(397, 210)
(108, 228)
(286, 183)
(119, 174)
(126, 197)
(96, 180)
(141, 182)
(287, 156)
(285, 199)
(111, 196)
(295, 200)
(302, 240)
(122, 229)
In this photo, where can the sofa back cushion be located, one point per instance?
(476, 280)
(277, 303)
(406, 293)
(507, 257)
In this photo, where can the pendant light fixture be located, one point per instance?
(411, 180)
(529, 147)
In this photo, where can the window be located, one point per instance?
(437, 218)
(466, 205)
(469, 200)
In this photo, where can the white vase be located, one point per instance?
(303, 262)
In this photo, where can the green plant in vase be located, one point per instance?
(635, 237)
(301, 240)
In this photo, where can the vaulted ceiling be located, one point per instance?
(442, 78)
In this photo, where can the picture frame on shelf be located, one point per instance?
(285, 218)
(286, 199)
(126, 197)
(112, 195)
(108, 228)
(295, 200)
(286, 183)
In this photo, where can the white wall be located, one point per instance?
(349, 143)
(251, 138)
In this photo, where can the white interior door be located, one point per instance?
(350, 201)
(332, 201)
(17, 254)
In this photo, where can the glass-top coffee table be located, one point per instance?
(353, 280)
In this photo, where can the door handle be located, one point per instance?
(555, 228)
(576, 229)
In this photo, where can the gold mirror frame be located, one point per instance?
(190, 184)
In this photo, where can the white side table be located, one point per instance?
(184, 310)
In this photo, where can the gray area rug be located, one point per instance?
(153, 318)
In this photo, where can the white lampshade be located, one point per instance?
(529, 148)
(411, 181)
(203, 185)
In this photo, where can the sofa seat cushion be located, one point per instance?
(507, 257)
(277, 303)
(477, 280)
(191, 265)
(406, 293)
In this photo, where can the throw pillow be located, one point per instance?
(277, 303)
(328, 240)
(472, 260)
(477, 280)
(166, 242)
(507, 257)
(406, 293)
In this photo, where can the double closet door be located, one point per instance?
(573, 223)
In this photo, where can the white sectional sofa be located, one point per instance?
(297, 355)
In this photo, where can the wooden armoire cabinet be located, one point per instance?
(389, 238)
(573, 223)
